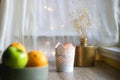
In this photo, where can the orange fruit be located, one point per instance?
(36, 58)
(19, 46)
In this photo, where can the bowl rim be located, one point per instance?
(35, 67)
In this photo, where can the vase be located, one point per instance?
(84, 54)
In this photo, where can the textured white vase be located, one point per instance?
(65, 58)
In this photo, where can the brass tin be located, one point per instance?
(84, 55)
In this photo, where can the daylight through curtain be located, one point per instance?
(40, 24)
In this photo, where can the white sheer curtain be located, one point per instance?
(40, 24)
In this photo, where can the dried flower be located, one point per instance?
(82, 22)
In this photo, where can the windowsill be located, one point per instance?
(110, 52)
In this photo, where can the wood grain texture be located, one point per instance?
(100, 71)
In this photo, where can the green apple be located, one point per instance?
(14, 58)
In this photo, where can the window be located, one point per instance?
(40, 24)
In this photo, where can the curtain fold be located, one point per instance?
(105, 31)
(40, 24)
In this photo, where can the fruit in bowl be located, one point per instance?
(19, 46)
(17, 64)
(15, 56)
(36, 58)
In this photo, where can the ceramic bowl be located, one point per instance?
(28, 73)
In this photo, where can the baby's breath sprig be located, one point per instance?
(82, 22)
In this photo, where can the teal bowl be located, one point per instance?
(28, 73)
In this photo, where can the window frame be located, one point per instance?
(119, 32)
(119, 22)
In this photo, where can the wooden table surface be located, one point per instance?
(100, 71)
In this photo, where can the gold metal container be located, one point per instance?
(84, 55)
